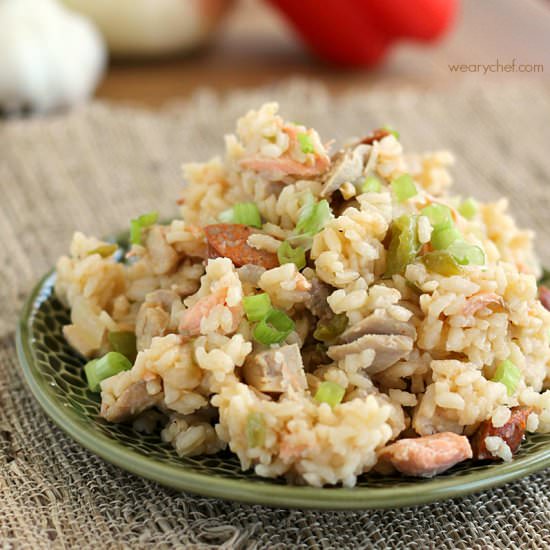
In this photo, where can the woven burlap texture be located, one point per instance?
(100, 165)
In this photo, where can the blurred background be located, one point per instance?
(153, 52)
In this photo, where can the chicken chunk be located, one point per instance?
(427, 456)
(131, 402)
(276, 370)
(347, 166)
(388, 348)
(378, 322)
(153, 318)
(164, 259)
(317, 302)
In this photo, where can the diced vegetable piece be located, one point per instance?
(371, 185)
(104, 250)
(139, 223)
(245, 213)
(330, 330)
(404, 245)
(255, 429)
(100, 369)
(438, 214)
(466, 254)
(392, 131)
(313, 217)
(289, 255)
(468, 208)
(124, 342)
(306, 145)
(508, 374)
(257, 307)
(273, 328)
(404, 187)
(441, 262)
(329, 392)
(444, 235)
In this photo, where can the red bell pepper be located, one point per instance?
(360, 32)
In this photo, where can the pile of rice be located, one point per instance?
(194, 377)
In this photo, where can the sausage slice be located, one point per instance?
(229, 240)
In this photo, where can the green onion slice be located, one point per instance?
(441, 262)
(371, 185)
(255, 429)
(139, 223)
(467, 254)
(273, 328)
(100, 369)
(313, 217)
(444, 235)
(392, 131)
(105, 250)
(257, 307)
(438, 214)
(289, 255)
(330, 330)
(404, 245)
(306, 145)
(124, 342)
(508, 374)
(329, 392)
(245, 213)
(404, 187)
(468, 208)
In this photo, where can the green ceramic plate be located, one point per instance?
(55, 376)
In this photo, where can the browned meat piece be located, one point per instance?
(377, 135)
(378, 322)
(347, 166)
(389, 348)
(544, 296)
(153, 318)
(131, 402)
(512, 433)
(427, 456)
(229, 240)
(164, 258)
(276, 370)
(317, 302)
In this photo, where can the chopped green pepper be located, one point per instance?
(404, 245)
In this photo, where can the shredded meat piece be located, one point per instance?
(317, 301)
(378, 322)
(229, 240)
(276, 370)
(512, 433)
(164, 259)
(131, 402)
(428, 455)
(477, 302)
(347, 166)
(153, 318)
(389, 348)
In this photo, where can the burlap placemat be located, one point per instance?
(97, 167)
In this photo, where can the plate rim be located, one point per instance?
(243, 490)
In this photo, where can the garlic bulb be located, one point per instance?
(50, 57)
(152, 27)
